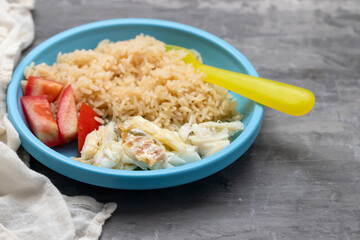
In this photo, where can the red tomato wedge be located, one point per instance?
(42, 123)
(40, 86)
(67, 118)
(87, 124)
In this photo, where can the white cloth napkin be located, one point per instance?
(30, 205)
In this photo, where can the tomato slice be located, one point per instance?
(67, 118)
(40, 86)
(87, 124)
(42, 123)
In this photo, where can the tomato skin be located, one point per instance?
(40, 119)
(36, 86)
(67, 118)
(87, 124)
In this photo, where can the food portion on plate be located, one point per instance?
(131, 104)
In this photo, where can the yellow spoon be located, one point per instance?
(280, 96)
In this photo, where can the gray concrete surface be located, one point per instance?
(301, 177)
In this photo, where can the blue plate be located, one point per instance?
(214, 51)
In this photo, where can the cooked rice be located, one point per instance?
(139, 77)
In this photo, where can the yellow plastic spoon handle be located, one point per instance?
(280, 96)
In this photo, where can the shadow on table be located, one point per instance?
(212, 188)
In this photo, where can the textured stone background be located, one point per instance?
(301, 177)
